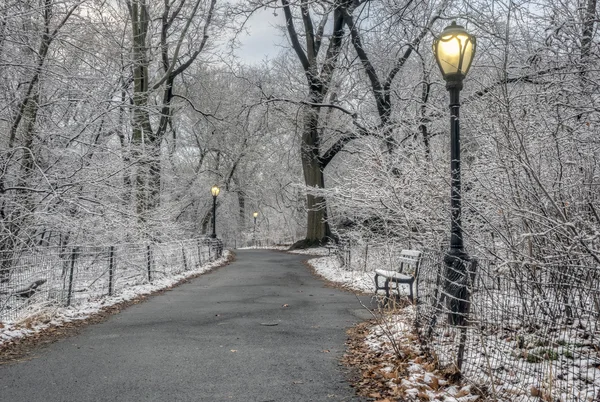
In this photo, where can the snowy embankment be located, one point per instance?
(330, 268)
(395, 366)
(388, 354)
(280, 248)
(398, 368)
(54, 316)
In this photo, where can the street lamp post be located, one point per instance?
(255, 215)
(454, 50)
(215, 190)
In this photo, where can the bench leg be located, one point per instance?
(387, 288)
(397, 294)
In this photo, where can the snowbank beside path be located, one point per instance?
(395, 366)
(389, 356)
(331, 269)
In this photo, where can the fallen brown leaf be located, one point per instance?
(463, 392)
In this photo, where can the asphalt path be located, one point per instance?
(261, 329)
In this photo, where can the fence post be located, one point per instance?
(470, 279)
(149, 262)
(5, 266)
(349, 255)
(111, 269)
(185, 265)
(74, 253)
(438, 296)
(199, 245)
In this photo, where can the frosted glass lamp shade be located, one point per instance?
(454, 50)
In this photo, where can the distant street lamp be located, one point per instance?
(454, 50)
(255, 214)
(215, 192)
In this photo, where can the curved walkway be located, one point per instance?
(260, 329)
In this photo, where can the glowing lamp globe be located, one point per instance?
(454, 50)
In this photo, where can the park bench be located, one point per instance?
(405, 274)
(30, 290)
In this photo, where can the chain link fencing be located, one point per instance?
(516, 331)
(36, 278)
(250, 241)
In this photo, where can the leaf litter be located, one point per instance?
(386, 352)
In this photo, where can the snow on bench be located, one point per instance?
(407, 271)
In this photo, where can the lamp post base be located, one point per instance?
(455, 286)
(455, 254)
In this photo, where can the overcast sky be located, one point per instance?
(263, 38)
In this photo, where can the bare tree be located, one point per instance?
(319, 72)
(178, 19)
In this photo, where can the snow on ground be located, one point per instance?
(56, 316)
(407, 372)
(312, 251)
(331, 269)
(281, 248)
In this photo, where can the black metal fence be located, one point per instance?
(527, 332)
(38, 278)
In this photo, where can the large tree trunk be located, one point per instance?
(242, 211)
(142, 130)
(318, 80)
(241, 196)
(316, 230)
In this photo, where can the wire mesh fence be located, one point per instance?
(518, 332)
(366, 256)
(250, 241)
(41, 277)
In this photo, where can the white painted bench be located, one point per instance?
(407, 271)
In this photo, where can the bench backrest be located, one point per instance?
(409, 260)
